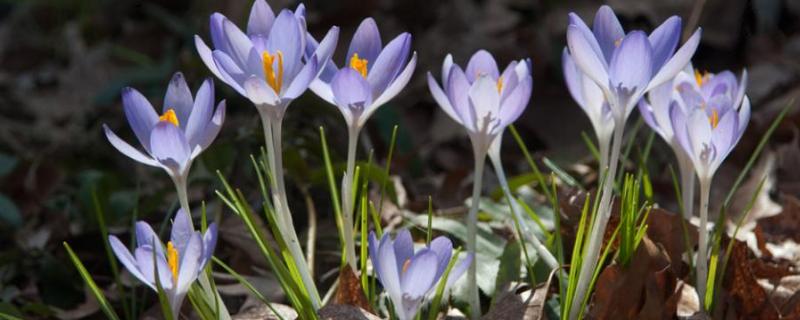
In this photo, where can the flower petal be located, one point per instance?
(303, 79)
(242, 50)
(179, 98)
(586, 58)
(484, 99)
(443, 248)
(287, 38)
(212, 127)
(140, 114)
(259, 93)
(677, 62)
(209, 244)
(366, 42)
(626, 67)
(127, 149)
(390, 275)
(389, 63)
(459, 270)
(441, 99)
(607, 30)
(664, 39)
(208, 58)
(261, 18)
(482, 63)
(513, 106)
(229, 71)
(168, 145)
(144, 259)
(396, 85)
(127, 260)
(573, 77)
(351, 92)
(458, 89)
(189, 263)
(202, 111)
(419, 276)
(181, 230)
(403, 247)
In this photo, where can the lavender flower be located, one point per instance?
(177, 266)
(267, 64)
(174, 139)
(408, 277)
(625, 66)
(482, 99)
(708, 117)
(372, 74)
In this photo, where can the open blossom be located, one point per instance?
(371, 74)
(178, 264)
(268, 64)
(186, 127)
(625, 66)
(480, 98)
(409, 277)
(709, 115)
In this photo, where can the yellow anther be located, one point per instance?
(359, 64)
(700, 78)
(499, 84)
(405, 266)
(170, 117)
(714, 118)
(172, 260)
(617, 42)
(274, 80)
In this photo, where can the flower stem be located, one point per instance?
(472, 233)
(348, 198)
(272, 136)
(702, 242)
(687, 183)
(183, 196)
(545, 254)
(595, 242)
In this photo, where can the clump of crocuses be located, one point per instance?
(186, 127)
(177, 264)
(410, 277)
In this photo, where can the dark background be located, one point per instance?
(63, 64)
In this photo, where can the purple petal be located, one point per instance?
(351, 92)
(573, 77)
(202, 111)
(179, 98)
(208, 58)
(366, 42)
(127, 259)
(513, 106)
(324, 51)
(587, 60)
(140, 114)
(389, 63)
(373, 253)
(742, 87)
(389, 274)
(699, 133)
(446, 66)
(677, 62)
(229, 71)
(189, 262)
(482, 63)
(397, 84)
(626, 68)
(181, 230)
(725, 134)
(591, 41)
(259, 92)
(261, 18)
(209, 244)
(441, 99)
(680, 128)
(241, 51)
(403, 248)
(303, 79)
(146, 237)
(607, 31)
(485, 99)
(744, 116)
(420, 275)
(459, 270)
(212, 127)
(287, 38)
(127, 149)
(457, 91)
(664, 40)
(443, 248)
(168, 145)
(218, 37)
(144, 259)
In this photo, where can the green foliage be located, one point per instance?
(108, 310)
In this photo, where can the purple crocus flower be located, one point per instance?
(173, 140)
(482, 99)
(592, 100)
(268, 64)
(178, 264)
(709, 115)
(372, 74)
(625, 66)
(409, 277)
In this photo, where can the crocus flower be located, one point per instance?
(708, 117)
(268, 64)
(409, 277)
(371, 74)
(186, 127)
(482, 99)
(591, 99)
(625, 66)
(178, 264)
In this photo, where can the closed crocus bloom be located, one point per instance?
(187, 126)
(480, 98)
(708, 117)
(267, 64)
(625, 66)
(178, 264)
(371, 74)
(409, 277)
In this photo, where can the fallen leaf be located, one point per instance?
(349, 291)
